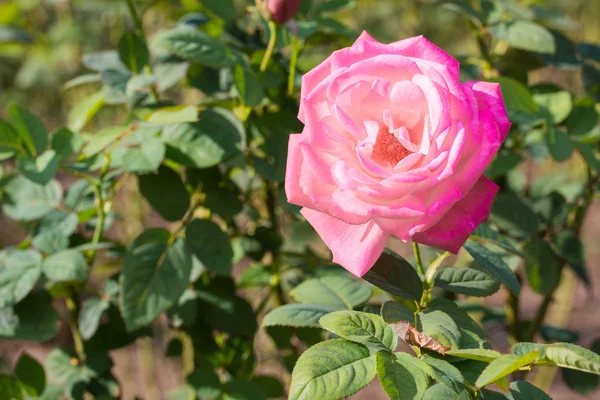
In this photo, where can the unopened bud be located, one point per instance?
(283, 10)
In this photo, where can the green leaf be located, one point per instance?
(443, 372)
(90, 315)
(184, 313)
(364, 328)
(552, 209)
(173, 115)
(224, 9)
(28, 201)
(191, 44)
(66, 265)
(470, 333)
(522, 390)
(542, 267)
(581, 382)
(19, 273)
(270, 385)
(483, 231)
(511, 214)
(440, 392)
(66, 143)
(243, 390)
(154, 275)
(31, 375)
(52, 392)
(332, 370)
(10, 388)
(298, 315)
(587, 152)
(470, 282)
(247, 85)
(503, 163)
(553, 101)
(226, 312)
(154, 188)
(440, 326)
(216, 137)
(525, 35)
(30, 129)
(330, 6)
(475, 354)
(206, 383)
(565, 56)
(255, 276)
(399, 377)
(99, 141)
(41, 169)
(394, 274)
(503, 366)
(66, 370)
(555, 334)
(211, 245)
(338, 291)
(185, 392)
(571, 249)
(591, 80)
(520, 106)
(493, 264)
(85, 110)
(571, 356)
(145, 158)
(133, 52)
(395, 312)
(583, 118)
(10, 142)
(558, 142)
(37, 319)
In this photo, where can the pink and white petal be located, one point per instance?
(421, 48)
(311, 80)
(489, 97)
(354, 247)
(455, 227)
(293, 191)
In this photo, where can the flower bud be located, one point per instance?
(283, 10)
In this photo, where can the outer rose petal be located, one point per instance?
(354, 247)
(293, 190)
(453, 230)
(489, 97)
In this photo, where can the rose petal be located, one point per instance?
(293, 191)
(455, 227)
(489, 97)
(354, 247)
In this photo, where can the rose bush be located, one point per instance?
(393, 144)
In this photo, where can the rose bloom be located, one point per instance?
(393, 144)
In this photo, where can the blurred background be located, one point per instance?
(41, 47)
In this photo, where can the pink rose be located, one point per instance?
(393, 144)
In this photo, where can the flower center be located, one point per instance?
(388, 151)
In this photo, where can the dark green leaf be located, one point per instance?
(197, 46)
(555, 334)
(591, 80)
(565, 56)
(30, 129)
(243, 390)
(483, 231)
(332, 370)
(395, 312)
(444, 372)
(553, 101)
(41, 169)
(10, 388)
(364, 328)
(37, 319)
(298, 315)
(154, 188)
(226, 312)
(272, 387)
(503, 163)
(522, 390)
(571, 249)
(583, 118)
(558, 142)
(247, 85)
(66, 143)
(224, 9)
(579, 381)
(493, 264)
(394, 274)
(10, 142)
(542, 267)
(587, 152)
(466, 281)
(511, 214)
(133, 51)
(337, 291)
(211, 245)
(589, 51)
(31, 375)
(184, 313)
(399, 377)
(439, 392)
(206, 383)
(552, 209)
(155, 274)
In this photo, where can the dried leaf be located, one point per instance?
(410, 335)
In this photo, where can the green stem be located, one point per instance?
(134, 15)
(417, 252)
(100, 211)
(293, 63)
(73, 319)
(270, 46)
